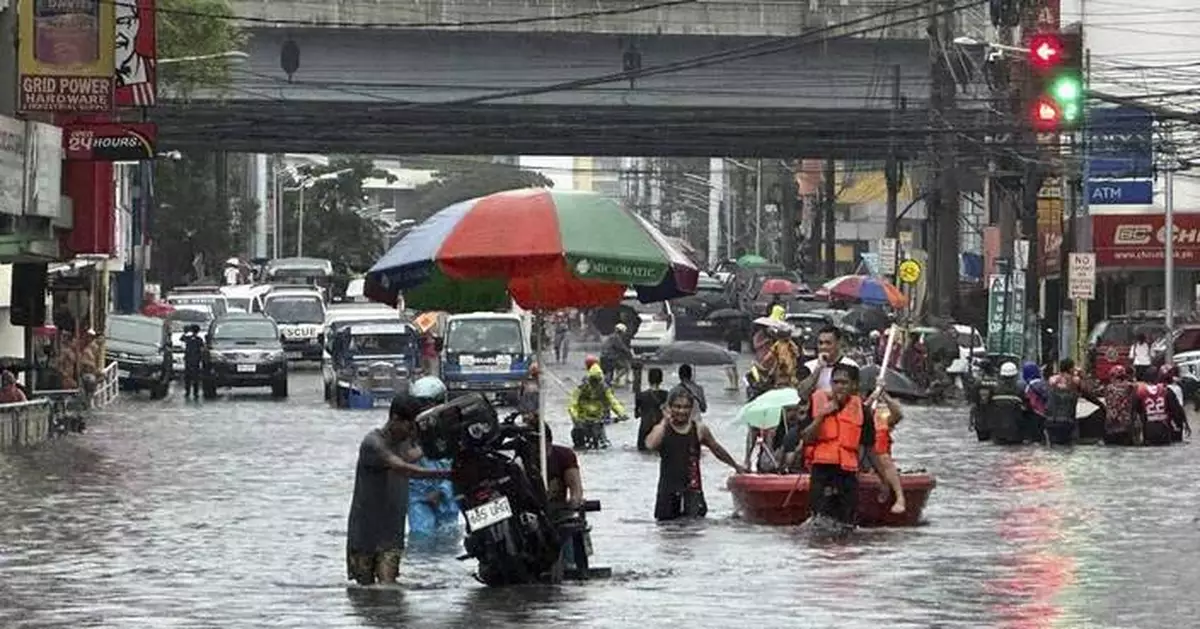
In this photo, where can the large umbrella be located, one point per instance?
(605, 320)
(696, 353)
(765, 410)
(866, 318)
(544, 249)
(540, 248)
(864, 289)
(751, 259)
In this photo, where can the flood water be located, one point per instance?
(232, 513)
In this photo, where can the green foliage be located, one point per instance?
(336, 224)
(191, 28)
(467, 181)
(190, 227)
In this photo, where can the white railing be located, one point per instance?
(108, 388)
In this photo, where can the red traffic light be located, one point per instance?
(1046, 50)
(1046, 114)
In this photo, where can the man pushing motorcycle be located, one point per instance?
(591, 402)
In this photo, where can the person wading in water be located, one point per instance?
(386, 461)
(678, 438)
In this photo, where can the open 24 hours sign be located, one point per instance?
(110, 142)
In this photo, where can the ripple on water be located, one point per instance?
(232, 514)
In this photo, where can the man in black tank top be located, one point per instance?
(678, 438)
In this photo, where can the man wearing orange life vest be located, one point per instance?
(832, 442)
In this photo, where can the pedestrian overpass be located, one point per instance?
(746, 78)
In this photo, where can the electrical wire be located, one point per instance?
(580, 15)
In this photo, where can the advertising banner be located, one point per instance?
(1050, 235)
(1121, 143)
(1138, 240)
(136, 51)
(109, 142)
(66, 55)
(12, 165)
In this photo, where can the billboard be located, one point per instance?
(136, 50)
(1050, 235)
(1120, 143)
(66, 55)
(1137, 240)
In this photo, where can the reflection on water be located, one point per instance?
(232, 513)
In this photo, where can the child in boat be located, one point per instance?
(886, 413)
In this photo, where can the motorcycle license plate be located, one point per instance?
(489, 513)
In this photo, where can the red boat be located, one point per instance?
(760, 499)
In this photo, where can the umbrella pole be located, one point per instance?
(887, 360)
(541, 407)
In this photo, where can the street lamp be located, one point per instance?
(306, 183)
(971, 41)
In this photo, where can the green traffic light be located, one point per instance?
(1070, 112)
(1067, 89)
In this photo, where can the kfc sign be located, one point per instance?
(1137, 240)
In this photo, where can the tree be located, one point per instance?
(337, 226)
(461, 182)
(198, 221)
(192, 226)
(193, 28)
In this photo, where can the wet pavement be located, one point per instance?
(232, 513)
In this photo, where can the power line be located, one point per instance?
(770, 47)
(399, 25)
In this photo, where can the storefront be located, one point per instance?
(1130, 259)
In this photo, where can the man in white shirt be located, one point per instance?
(816, 373)
(233, 275)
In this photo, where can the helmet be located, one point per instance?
(621, 327)
(428, 390)
(778, 313)
(875, 334)
(1117, 372)
(590, 360)
(1008, 370)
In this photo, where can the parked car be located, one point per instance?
(141, 347)
(1110, 340)
(210, 296)
(244, 350)
(658, 323)
(691, 312)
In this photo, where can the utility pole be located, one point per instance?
(758, 206)
(830, 222)
(1169, 244)
(788, 212)
(892, 170)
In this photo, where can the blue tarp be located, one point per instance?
(431, 506)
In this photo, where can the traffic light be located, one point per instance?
(1056, 65)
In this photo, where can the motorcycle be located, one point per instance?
(496, 481)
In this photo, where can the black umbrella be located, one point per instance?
(896, 383)
(866, 318)
(606, 319)
(727, 313)
(941, 344)
(696, 353)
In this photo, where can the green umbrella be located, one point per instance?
(752, 260)
(765, 410)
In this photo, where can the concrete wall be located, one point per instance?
(390, 66)
(711, 17)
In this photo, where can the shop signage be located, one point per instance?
(12, 165)
(66, 55)
(1137, 240)
(109, 142)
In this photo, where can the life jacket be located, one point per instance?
(883, 430)
(839, 436)
(1154, 402)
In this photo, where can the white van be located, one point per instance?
(245, 297)
(487, 352)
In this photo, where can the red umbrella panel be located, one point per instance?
(778, 286)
